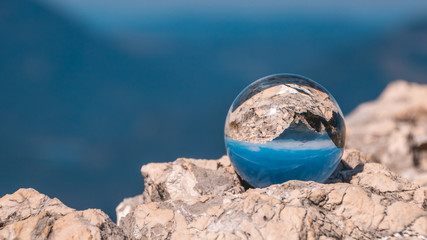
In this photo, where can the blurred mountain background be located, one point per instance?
(92, 90)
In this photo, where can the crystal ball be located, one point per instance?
(284, 127)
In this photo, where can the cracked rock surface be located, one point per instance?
(204, 199)
(393, 129)
(28, 214)
(361, 200)
(183, 178)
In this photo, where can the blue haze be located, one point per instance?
(84, 103)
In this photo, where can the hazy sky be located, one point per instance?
(112, 15)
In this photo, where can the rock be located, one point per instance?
(189, 177)
(353, 163)
(362, 200)
(27, 214)
(204, 199)
(393, 129)
(128, 205)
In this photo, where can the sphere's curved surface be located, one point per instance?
(284, 127)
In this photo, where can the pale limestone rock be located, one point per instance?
(188, 177)
(393, 129)
(27, 214)
(361, 201)
(127, 205)
(26, 203)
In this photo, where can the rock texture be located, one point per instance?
(27, 214)
(204, 199)
(393, 129)
(182, 178)
(362, 200)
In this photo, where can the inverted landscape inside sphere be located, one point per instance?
(284, 127)
(275, 106)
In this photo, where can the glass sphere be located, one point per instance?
(284, 127)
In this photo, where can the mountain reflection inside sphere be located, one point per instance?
(284, 127)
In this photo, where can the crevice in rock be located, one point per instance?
(246, 186)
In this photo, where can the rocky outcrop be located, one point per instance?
(393, 129)
(204, 199)
(27, 214)
(182, 178)
(361, 200)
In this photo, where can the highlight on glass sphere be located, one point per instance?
(284, 127)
